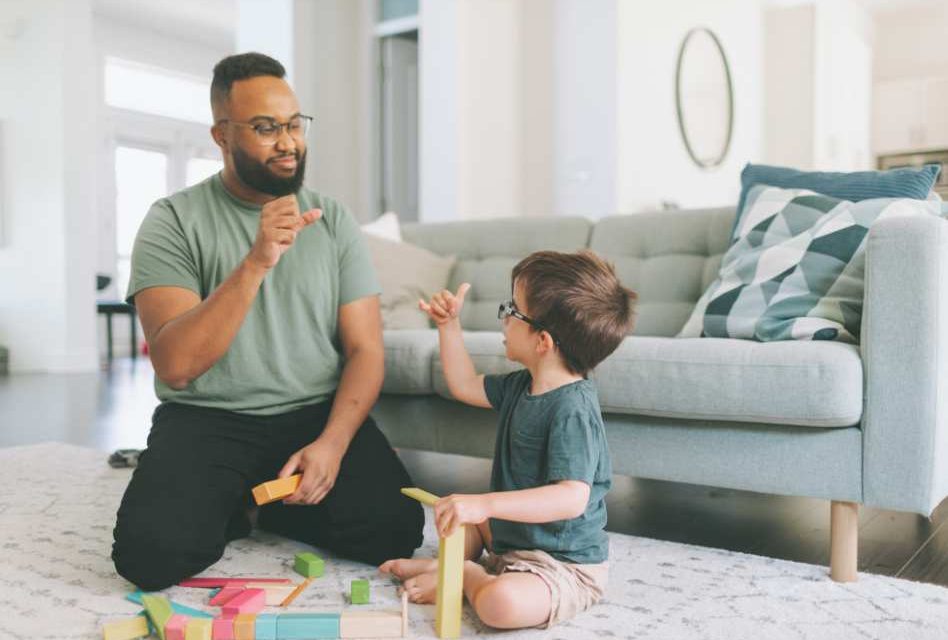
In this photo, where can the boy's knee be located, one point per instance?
(496, 604)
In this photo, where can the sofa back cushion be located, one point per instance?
(486, 252)
(668, 258)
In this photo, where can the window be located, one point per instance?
(163, 92)
(200, 168)
(141, 177)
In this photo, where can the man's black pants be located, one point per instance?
(190, 493)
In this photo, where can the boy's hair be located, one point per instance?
(579, 300)
(240, 67)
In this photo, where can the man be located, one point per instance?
(260, 307)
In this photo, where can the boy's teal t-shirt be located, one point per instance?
(558, 435)
(287, 352)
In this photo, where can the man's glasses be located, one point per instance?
(507, 308)
(268, 131)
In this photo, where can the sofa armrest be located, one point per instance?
(904, 341)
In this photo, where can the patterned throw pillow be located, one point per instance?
(794, 270)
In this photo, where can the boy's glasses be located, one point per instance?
(508, 309)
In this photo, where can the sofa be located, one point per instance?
(853, 424)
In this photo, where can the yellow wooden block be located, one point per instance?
(420, 495)
(245, 626)
(125, 629)
(370, 624)
(450, 585)
(199, 629)
(276, 489)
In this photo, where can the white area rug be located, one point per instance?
(57, 509)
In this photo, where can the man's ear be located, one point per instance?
(220, 137)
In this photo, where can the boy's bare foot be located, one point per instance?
(423, 588)
(405, 568)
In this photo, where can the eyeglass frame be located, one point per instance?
(281, 127)
(508, 308)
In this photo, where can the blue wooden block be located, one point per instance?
(266, 628)
(307, 626)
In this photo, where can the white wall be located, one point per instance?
(910, 42)
(267, 26)
(652, 163)
(47, 271)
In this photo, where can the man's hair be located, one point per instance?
(579, 300)
(240, 67)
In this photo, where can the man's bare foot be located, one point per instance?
(423, 588)
(405, 568)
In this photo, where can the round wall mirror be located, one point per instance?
(704, 97)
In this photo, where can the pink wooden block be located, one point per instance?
(223, 629)
(211, 583)
(174, 628)
(247, 601)
(224, 596)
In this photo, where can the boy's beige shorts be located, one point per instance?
(573, 587)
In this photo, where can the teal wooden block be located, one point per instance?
(307, 626)
(309, 565)
(359, 592)
(136, 597)
(266, 626)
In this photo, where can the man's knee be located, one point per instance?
(154, 558)
(395, 533)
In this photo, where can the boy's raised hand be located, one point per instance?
(445, 306)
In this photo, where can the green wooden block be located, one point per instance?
(159, 611)
(359, 592)
(309, 565)
(307, 626)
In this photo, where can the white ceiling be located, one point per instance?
(209, 21)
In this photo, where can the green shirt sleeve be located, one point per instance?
(161, 256)
(498, 386)
(573, 449)
(356, 273)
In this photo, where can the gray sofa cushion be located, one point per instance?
(486, 252)
(668, 258)
(487, 352)
(408, 357)
(812, 384)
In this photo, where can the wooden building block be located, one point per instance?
(247, 601)
(370, 624)
(223, 628)
(159, 611)
(224, 596)
(421, 495)
(210, 583)
(245, 626)
(307, 626)
(297, 591)
(126, 629)
(404, 613)
(274, 490)
(137, 598)
(359, 592)
(450, 593)
(266, 627)
(275, 594)
(308, 565)
(174, 628)
(199, 629)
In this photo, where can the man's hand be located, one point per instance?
(319, 463)
(445, 306)
(280, 221)
(457, 510)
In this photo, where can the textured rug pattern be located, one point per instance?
(57, 509)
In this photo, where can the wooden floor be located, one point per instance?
(112, 409)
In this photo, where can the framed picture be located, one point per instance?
(918, 159)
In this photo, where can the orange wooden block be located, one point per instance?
(276, 489)
(245, 625)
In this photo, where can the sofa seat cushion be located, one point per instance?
(813, 384)
(408, 356)
(487, 353)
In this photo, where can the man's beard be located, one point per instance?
(258, 176)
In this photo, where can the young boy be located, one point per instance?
(543, 524)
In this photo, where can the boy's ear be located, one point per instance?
(544, 342)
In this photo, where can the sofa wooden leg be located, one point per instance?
(844, 540)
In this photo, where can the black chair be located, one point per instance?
(112, 307)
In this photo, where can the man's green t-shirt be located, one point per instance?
(546, 438)
(287, 351)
